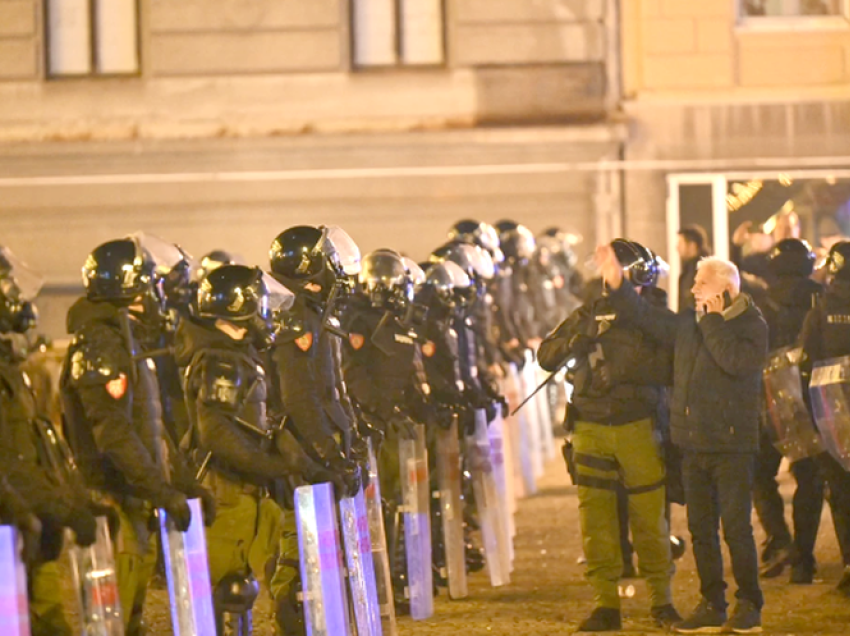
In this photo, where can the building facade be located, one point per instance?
(218, 123)
(724, 92)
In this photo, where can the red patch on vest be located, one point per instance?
(117, 387)
(558, 282)
(429, 349)
(304, 342)
(356, 340)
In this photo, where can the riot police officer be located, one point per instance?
(305, 365)
(113, 413)
(826, 334)
(384, 373)
(618, 375)
(230, 434)
(789, 298)
(31, 479)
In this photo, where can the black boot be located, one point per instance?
(602, 619)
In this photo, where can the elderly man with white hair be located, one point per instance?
(719, 351)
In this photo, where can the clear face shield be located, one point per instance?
(172, 270)
(19, 286)
(274, 302)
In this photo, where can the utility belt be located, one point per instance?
(614, 419)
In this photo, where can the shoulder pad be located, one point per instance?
(92, 363)
(223, 380)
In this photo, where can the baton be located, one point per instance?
(552, 375)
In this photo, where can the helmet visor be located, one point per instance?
(17, 280)
(345, 248)
(165, 256)
(279, 297)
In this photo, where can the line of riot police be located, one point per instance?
(333, 409)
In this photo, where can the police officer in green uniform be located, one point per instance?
(230, 434)
(618, 375)
(25, 444)
(113, 414)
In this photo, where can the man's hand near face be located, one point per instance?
(609, 267)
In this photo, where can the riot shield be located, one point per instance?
(523, 451)
(528, 379)
(451, 509)
(380, 556)
(830, 394)
(480, 465)
(496, 435)
(322, 575)
(794, 433)
(544, 410)
(14, 606)
(361, 570)
(416, 494)
(188, 573)
(96, 583)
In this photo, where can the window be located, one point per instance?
(397, 33)
(792, 14)
(792, 8)
(92, 37)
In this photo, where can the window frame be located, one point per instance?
(792, 23)
(93, 41)
(399, 65)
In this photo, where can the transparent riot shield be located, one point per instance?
(528, 378)
(96, 582)
(792, 427)
(484, 487)
(830, 394)
(361, 570)
(380, 555)
(416, 493)
(495, 433)
(322, 574)
(14, 606)
(188, 573)
(544, 410)
(451, 509)
(523, 452)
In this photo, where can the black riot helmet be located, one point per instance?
(640, 264)
(245, 296)
(19, 285)
(517, 243)
(384, 280)
(477, 233)
(838, 260)
(215, 259)
(296, 254)
(792, 257)
(118, 272)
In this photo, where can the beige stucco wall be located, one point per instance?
(705, 94)
(260, 67)
(674, 47)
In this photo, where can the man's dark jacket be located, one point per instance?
(717, 370)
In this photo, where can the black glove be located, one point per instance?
(84, 525)
(207, 502)
(111, 514)
(175, 505)
(349, 474)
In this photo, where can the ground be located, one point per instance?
(548, 594)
